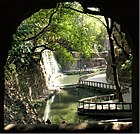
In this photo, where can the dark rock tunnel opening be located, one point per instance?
(12, 13)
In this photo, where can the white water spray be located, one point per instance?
(50, 68)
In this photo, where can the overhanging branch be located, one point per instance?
(124, 52)
(44, 47)
(45, 28)
(85, 11)
(41, 46)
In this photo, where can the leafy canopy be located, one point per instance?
(62, 30)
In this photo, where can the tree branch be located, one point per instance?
(124, 52)
(44, 46)
(40, 53)
(85, 11)
(114, 67)
(100, 21)
(45, 28)
(121, 34)
(90, 13)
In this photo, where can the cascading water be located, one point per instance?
(50, 67)
(50, 70)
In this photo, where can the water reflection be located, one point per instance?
(47, 108)
(64, 107)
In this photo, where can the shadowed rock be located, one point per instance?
(79, 127)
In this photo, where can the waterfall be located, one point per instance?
(50, 67)
(50, 70)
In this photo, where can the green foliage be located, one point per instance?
(64, 58)
(127, 66)
(68, 31)
(81, 31)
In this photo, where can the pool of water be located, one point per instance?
(66, 79)
(64, 106)
(65, 103)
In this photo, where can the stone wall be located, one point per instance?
(32, 81)
(85, 63)
(22, 104)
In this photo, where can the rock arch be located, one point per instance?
(12, 13)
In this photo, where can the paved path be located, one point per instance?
(102, 78)
(98, 78)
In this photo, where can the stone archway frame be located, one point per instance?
(12, 13)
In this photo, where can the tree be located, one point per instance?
(110, 24)
(58, 29)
